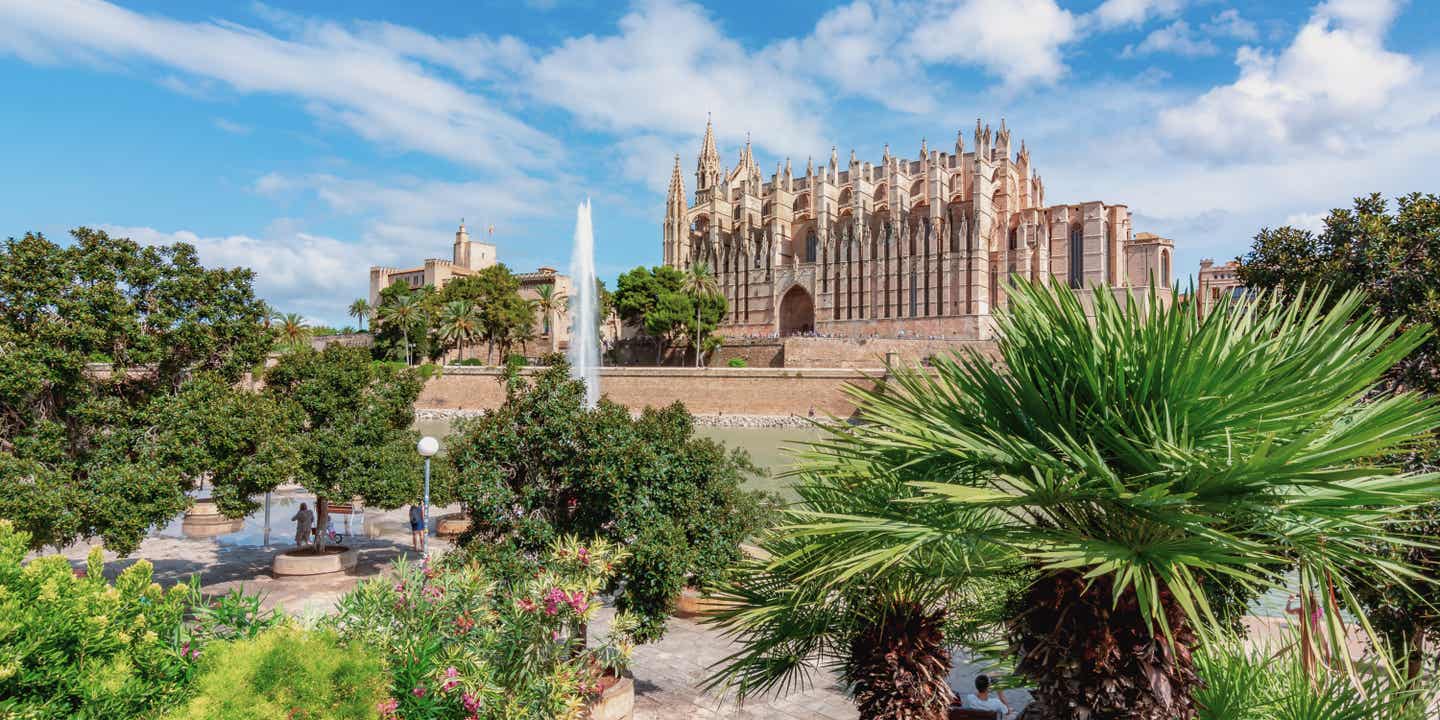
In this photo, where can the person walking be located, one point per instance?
(304, 519)
(417, 526)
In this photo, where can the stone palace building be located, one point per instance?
(468, 257)
(921, 247)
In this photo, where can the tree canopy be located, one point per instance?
(543, 465)
(659, 302)
(78, 455)
(353, 437)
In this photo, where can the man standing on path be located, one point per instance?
(303, 520)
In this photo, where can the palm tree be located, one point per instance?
(360, 310)
(459, 324)
(404, 310)
(701, 285)
(1113, 461)
(549, 302)
(293, 330)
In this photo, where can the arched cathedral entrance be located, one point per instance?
(797, 311)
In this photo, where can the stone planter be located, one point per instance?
(202, 508)
(692, 603)
(298, 561)
(209, 526)
(616, 701)
(451, 525)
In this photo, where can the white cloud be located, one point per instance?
(362, 83)
(294, 271)
(1177, 38)
(1314, 222)
(409, 201)
(1115, 13)
(1019, 41)
(865, 54)
(668, 66)
(1332, 86)
(1229, 24)
(232, 127)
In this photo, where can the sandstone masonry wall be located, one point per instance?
(707, 391)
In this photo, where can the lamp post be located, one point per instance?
(427, 447)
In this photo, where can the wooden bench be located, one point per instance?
(958, 713)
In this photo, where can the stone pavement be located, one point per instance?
(669, 674)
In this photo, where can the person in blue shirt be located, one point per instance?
(417, 526)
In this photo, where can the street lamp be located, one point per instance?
(427, 447)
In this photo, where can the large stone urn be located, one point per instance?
(617, 699)
(693, 603)
(449, 526)
(203, 520)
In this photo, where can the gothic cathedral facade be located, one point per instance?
(922, 247)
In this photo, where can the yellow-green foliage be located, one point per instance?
(286, 673)
(78, 647)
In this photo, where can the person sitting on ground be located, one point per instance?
(981, 699)
(417, 526)
(303, 519)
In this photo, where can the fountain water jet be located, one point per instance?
(584, 350)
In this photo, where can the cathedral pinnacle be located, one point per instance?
(707, 168)
(834, 157)
(959, 143)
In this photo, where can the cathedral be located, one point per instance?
(922, 247)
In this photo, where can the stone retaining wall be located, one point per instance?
(774, 392)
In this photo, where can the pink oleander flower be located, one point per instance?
(464, 623)
(578, 601)
(584, 556)
(419, 691)
(387, 707)
(434, 592)
(400, 587)
(526, 605)
(470, 703)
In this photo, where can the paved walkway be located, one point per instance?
(669, 674)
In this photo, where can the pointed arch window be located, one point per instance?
(1077, 256)
(812, 247)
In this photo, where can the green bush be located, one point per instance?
(502, 640)
(79, 647)
(1256, 683)
(737, 362)
(287, 673)
(471, 362)
(543, 465)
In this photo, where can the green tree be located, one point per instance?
(637, 300)
(360, 310)
(1116, 459)
(669, 321)
(701, 285)
(353, 438)
(404, 311)
(459, 325)
(543, 465)
(1395, 259)
(75, 456)
(549, 304)
(293, 331)
(505, 317)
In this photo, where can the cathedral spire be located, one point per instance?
(677, 184)
(959, 143)
(809, 166)
(834, 157)
(707, 168)
(924, 149)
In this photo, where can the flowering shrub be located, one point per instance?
(79, 647)
(465, 641)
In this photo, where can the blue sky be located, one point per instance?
(310, 140)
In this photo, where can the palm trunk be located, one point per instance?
(1092, 657)
(405, 337)
(899, 665)
(697, 334)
